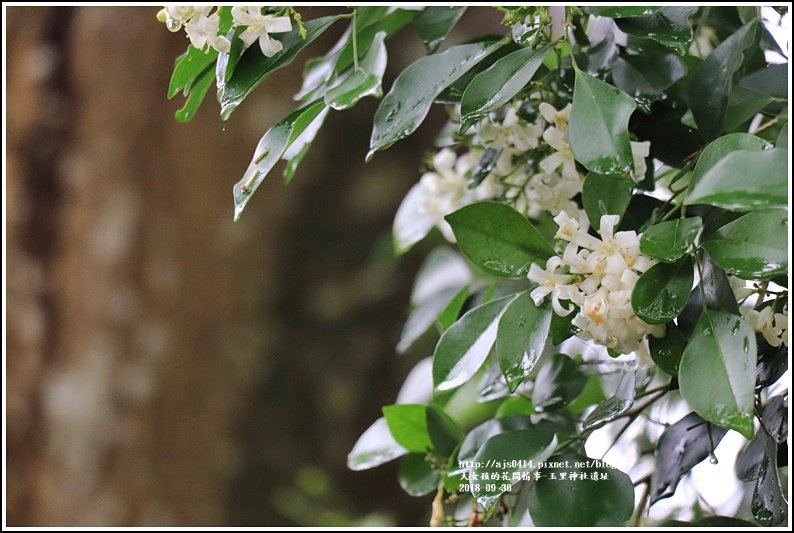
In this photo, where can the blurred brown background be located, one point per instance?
(165, 365)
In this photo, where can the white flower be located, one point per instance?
(600, 278)
(200, 26)
(773, 326)
(202, 29)
(512, 132)
(259, 26)
(446, 188)
(639, 152)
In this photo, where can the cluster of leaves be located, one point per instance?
(502, 400)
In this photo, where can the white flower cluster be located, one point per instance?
(202, 25)
(598, 276)
(550, 185)
(773, 326)
(446, 189)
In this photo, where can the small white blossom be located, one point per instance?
(202, 29)
(600, 278)
(259, 26)
(639, 151)
(773, 326)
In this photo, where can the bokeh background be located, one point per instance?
(166, 366)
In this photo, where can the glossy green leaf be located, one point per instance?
(452, 311)
(715, 287)
(744, 180)
(669, 241)
(498, 239)
(647, 76)
(605, 195)
(782, 139)
(622, 11)
(408, 426)
(477, 437)
(435, 22)
(558, 382)
(520, 338)
(499, 83)
(366, 81)
(583, 501)
(375, 447)
(406, 105)
(667, 351)
(614, 406)
(754, 246)
(515, 405)
(196, 95)
(717, 372)
(515, 452)
(710, 89)
(561, 327)
(299, 146)
(669, 27)
(371, 20)
(416, 475)
(598, 127)
(254, 67)
(662, 292)
(445, 434)
(271, 148)
(463, 347)
(188, 67)
(743, 105)
(772, 80)
(722, 147)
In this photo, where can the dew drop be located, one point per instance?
(713, 458)
(746, 345)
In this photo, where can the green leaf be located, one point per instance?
(254, 67)
(743, 105)
(710, 89)
(717, 372)
(615, 405)
(721, 148)
(715, 287)
(452, 311)
(498, 239)
(561, 327)
(669, 241)
(580, 502)
(271, 148)
(408, 426)
(744, 180)
(196, 95)
(515, 452)
(515, 405)
(372, 20)
(435, 22)
(520, 338)
(622, 11)
(188, 67)
(754, 246)
(662, 292)
(478, 436)
(416, 475)
(558, 382)
(409, 100)
(669, 27)
(772, 80)
(366, 81)
(464, 347)
(375, 447)
(667, 351)
(499, 83)
(605, 195)
(598, 127)
(445, 434)
(646, 76)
